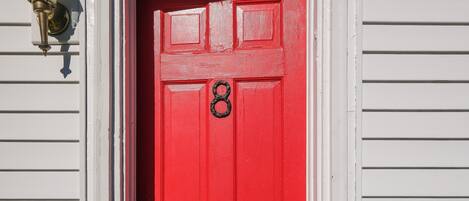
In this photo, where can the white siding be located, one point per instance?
(413, 139)
(41, 111)
(37, 156)
(415, 67)
(39, 185)
(27, 97)
(41, 126)
(415, 96)
(401, 153)
(444, 183)
(39, 69)
(415, 38)
(415, 125)
(15, 12)
(416, 11)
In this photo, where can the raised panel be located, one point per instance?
(415, 67)
(415, 125)
(38, 68)
(259, 140)
(18, 39)
(258, 25)
(415, 38)
(39, 97)
(14, 11)
(395, 153)
(39, 155)
(415, 183)
(185, 30)
(39, 185)
(415, 96)
(184, 124)
(39, 126)
(416, 11)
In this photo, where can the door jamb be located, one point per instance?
(318, 99)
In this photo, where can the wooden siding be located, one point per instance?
(415, 67)
(41, 112)
(413, 135)
(34, 68)
(445, 11)
(58, 156)
(40, 126)
(39, 185)
(440, 125)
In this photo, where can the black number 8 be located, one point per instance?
(219, 98)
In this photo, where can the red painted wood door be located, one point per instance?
(255, 151)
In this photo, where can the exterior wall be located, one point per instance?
(42, 110)
(413, 100)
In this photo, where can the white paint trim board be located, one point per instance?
(18, 39)
(415, 125)
(15, 11)
(415, 67)
(415, 38)
(415, 182)
(416, 10)
(39, 126)
(415, 96)
(39, 68)
(378, 153)
(39, 155)
(39, 185)
(39, 96)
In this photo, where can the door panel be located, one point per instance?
(184, 141)
(226, 73)
(259, 140)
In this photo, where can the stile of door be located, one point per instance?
(230, 101)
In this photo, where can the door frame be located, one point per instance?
(319, 106)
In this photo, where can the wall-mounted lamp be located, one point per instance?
(53, 19)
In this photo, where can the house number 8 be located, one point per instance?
(224, 98)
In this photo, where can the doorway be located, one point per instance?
(221, 94)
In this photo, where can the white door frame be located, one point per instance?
(335, 100)
(111, 82)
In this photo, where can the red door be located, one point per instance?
(230, 101)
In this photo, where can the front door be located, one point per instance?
(230, 101)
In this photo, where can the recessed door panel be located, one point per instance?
(259, 141)
(184, 141)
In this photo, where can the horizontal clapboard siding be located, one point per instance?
(416, 11)
(439, 125)
(415, 38)
(415, 182)
(44, 97)
(18, 39)
(415, 96)
(37, 68)
(40, 126)
(39, 156)
(15, 11)
(415, 67)
(42, 144)
(414, 127)
(39, 185)
(427, 154)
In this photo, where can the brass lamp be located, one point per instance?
(53, 19)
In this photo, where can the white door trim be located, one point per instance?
(336, 100)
